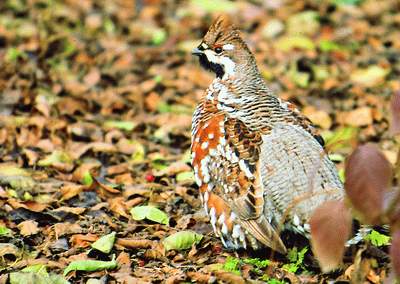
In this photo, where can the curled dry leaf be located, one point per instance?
(28, 228)
(135, 243)
(330, 228)
(368, 175)
(395, 252)
(395, 108)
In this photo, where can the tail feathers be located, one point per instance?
(265, 233)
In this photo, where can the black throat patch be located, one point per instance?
(208, 65)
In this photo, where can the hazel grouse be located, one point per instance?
(258, 162)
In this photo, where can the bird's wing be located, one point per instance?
(296, 173)
(242, 188)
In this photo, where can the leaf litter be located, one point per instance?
(95, 113)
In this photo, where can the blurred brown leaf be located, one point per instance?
(395, 252)
(368, 175)
(69, 191)
(395, 108)
(28, 228)
(330, 228)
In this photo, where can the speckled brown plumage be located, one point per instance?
(258, 161)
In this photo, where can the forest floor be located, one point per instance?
(96, 99)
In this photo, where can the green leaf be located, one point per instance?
(31, 277)
(13, 54)
(232, 265)
(257, 262)
(287, 43)
(119, 124)
(149, 212)
(90, 265)
(214, 6)
(55, 158)
(328, 46)
(342, 175)
(139, 153)
(377, 239)
(87, 178)
(340, 138)
(105, 243)
(305, 22)
(275, 281)
(181, 240)
(301, 79)
(336, 157)
(17, 178)
(346, 2)
(185, 176)
(296, 259)
(159, 36)
(40, 269)
(4, 231)
(370, 76)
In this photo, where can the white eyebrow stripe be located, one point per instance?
(228, 46)
(203, 45)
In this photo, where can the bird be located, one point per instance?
(260, 165)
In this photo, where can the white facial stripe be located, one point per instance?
(203, 45)
(229, 65)
(228, 46)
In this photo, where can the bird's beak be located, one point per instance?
(196, 51)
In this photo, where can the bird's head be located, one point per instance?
(222, 50)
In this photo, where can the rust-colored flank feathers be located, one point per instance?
(259, 163)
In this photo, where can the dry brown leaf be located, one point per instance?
(135, 243)
(61, 229)
(107, 188)
(228, 277)
(118, 206)
(69, 191)
(359, 117)
(31, 205)
(199, 277)
(368, 175)
(318, 117)
(395, 252)
(395, 112)
(83, 241)
(79, 173)
(73, 210)
(92, 78)
(28, 228)
(330, 228)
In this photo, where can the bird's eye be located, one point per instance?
(218, 49)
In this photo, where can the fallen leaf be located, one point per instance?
(395, 112)
(359, 117)
(368, 175)
(90, 265)
(318, 117)
(149, 212)
(28, 228)
(369, 77)
(395, 252)
(135, 243)
(182, 240)
(105, 243)
(287, 43)
(330, 227)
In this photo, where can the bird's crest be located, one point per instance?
(221, 30)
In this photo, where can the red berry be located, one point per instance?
(217, 249)
(150, 177)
